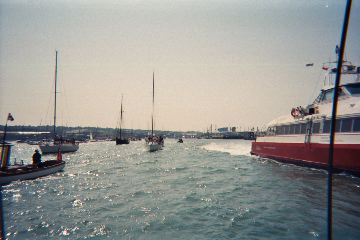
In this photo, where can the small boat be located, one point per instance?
(58, 143)
(10, 173)
(119, 139)
(180, 140)
(91, 138)
(302, 136)
(154, 143)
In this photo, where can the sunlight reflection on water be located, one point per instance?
(201, 189)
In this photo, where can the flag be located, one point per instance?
(59, 155)
(325, 68)
(337, 49)
(10, 117)
(309, 65)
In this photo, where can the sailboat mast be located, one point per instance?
(152, 115)
(55, 94)
(121, 114)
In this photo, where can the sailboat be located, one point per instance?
(91, 138)
(120, 140)
(154, 143)
(59, 144)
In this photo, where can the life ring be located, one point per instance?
(295, 112)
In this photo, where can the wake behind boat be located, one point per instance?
(58, 143)
(302, 137)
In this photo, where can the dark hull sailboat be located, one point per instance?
(120, 140)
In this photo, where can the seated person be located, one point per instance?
(37, 158)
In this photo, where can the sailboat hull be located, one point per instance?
(64, 148)
(120, 141)
(153, 147)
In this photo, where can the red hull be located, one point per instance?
(346, 156)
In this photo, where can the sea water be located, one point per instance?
(201, 189)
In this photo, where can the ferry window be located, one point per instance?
(277, 130)
(326, 128)
(346, 125)
(286, 129)
(337, 127)
(356, 127)
(328, 95)
(316, 127)
(318, 99)
(327, 124)
(292, 129)
(281, 130)
(303, 128)
(353, 89)
(297, 128)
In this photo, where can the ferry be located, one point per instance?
(302, 137)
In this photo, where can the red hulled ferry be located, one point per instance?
(302, 137)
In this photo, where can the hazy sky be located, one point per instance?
(226, 62)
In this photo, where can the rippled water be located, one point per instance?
(202, 189)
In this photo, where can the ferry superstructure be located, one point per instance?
(302, 137)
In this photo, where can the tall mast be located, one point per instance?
(55, 95)
(152, 115)
(121, 114)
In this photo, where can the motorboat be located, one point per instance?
(21, 171)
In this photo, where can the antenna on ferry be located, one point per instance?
(340, 53)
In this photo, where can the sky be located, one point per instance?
(221, 62)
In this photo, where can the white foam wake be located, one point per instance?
(235, 147)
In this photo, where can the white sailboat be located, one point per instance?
(59, 144)
(154, 143)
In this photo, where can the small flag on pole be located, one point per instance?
(309, 65)
(59, 155)
(10, 117)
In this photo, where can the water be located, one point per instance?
(201, 189)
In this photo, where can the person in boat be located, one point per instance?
(161, 140)
(37, 158)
